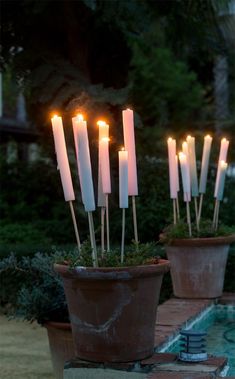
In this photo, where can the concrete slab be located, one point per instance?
(99, 373)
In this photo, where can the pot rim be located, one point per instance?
(113, 273)
(204, 241)
(57, 325)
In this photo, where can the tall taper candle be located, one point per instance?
(205, 163)
(85, 173)
(185, 176)
(192, 165)
(129, 141)
(105, 165)
(220, 192)
(172, 167)
(103, 133)
(222, 157)
(123, 179)
(62, 158)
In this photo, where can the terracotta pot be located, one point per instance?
(198, 266)
(113, 310)
(61, 345)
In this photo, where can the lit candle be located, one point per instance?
(177, 173)
(192, 165)
(222, 174)
(129, 141)
(103, 133)
(123, 178)
(62, 158)
(222, 157)
(105, 165)
(205, 163)
(185, 150)
(172, 167)
(185, 176)
(84, 163)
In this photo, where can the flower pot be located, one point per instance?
(61, 345)
(198, 266)
(113, 310)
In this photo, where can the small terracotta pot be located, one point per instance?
(198, 266)
(113, 310)
(61, 345)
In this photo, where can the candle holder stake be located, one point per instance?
(123, 235)
(135, 220)
(75, 225)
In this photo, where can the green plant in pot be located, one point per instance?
(113, 306)
(31, 290)
(197, 250)
(113, 295)
(198, 262)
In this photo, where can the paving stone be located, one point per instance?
(99, 373)
(188, 367)
(227, 298)
(159, 358)
(177, 375)
(215, 361)
(178, 311)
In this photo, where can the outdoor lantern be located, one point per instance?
(193, 344)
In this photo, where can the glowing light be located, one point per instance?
(101, 123)
(80, 117)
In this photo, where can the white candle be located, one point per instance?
(205, 163)
(129, 141)
(62, 158)
(177, 173)
(172, 167)
(123, 178)
(192, 165)
(222, 174)
(222, 157)
(185, 176)
(105, 165)
(185, 150)
(84, 163)
(103, 133)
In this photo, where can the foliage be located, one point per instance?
(163, 86)
(135, 254)
(180, 230)
(32, 289)
(22, 233)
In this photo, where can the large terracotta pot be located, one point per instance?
(113, 310)
(61, 345)
(198, 266)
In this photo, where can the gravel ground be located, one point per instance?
(24, 351)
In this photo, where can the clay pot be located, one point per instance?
(198, 266)
(61, 345)
(113, 310)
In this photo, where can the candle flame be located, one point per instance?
(224, 139)
(182, 156)
(169, 139)
(80, 117)
(223, 164)
(188, 137)
(123, 149)
(208, 136)
(101, 123)
(184, 144)
(105, 139)
(54, 116)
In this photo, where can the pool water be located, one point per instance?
(219, 323)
